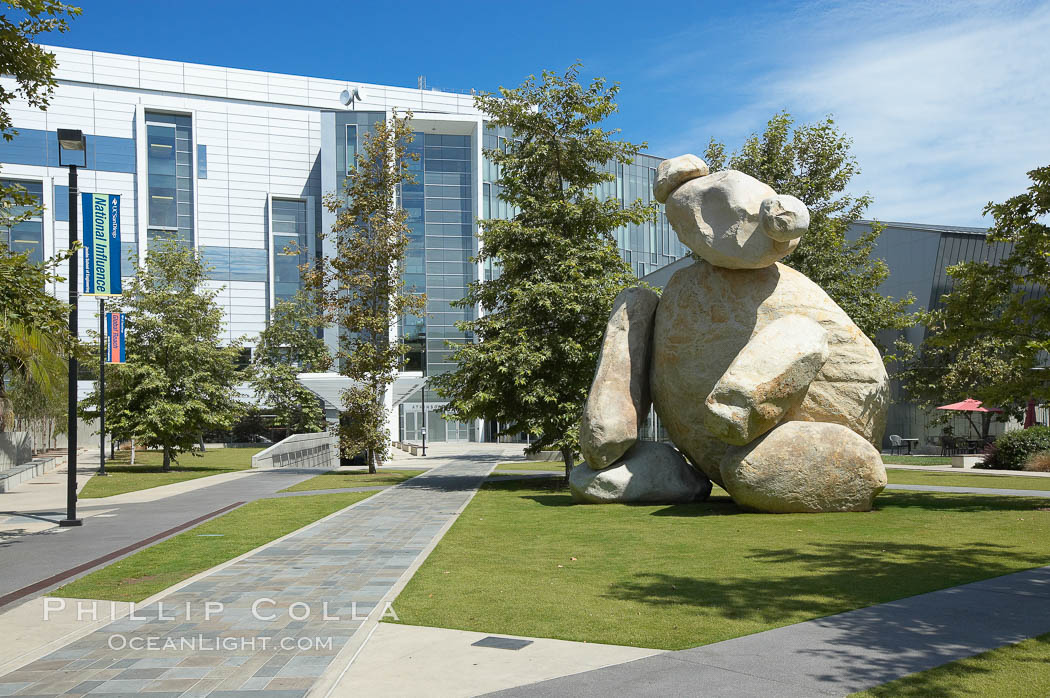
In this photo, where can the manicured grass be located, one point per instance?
(918, 477)
(156, 568)
(916, 460)
(1015, 671)
(539, 465)
(358, 478)
(523, 560)
(124, 477)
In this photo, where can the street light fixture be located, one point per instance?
(70, 142)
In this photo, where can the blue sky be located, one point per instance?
(947, 102)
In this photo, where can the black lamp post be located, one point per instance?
(423, 396)
(70, 142)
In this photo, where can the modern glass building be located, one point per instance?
(236, 164)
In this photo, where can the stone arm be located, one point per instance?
(619, 400)
(769, 377)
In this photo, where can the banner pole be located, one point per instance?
(101, 386)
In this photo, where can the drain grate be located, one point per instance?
(502, 643)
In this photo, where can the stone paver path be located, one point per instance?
(310, 592)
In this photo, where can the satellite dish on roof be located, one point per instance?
(351, 95)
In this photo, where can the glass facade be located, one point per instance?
(32, 146)
(27, 235)
(290, 245)
(441, 210)
(169, 168)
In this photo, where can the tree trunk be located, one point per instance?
(167, 460)
(567, 456)
(371, 457)
(202, 442)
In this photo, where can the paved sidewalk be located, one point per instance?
(836, 655)
(344, 564)
(113, 523)
(971, 490)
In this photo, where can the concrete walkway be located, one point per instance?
(971, 490)
(836, 655)
(275, 620)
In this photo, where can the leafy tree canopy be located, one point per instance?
(288, 346)
(360, 288)
(988, 338)
(179, 379)
(813, 162)
(538, 336)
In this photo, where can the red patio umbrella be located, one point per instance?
(969, 405)
(1029, 414)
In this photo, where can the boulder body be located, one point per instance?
(619, 400)
(805, 467)
(706, 317)
(650, 472)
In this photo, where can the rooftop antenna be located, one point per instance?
(422, 82)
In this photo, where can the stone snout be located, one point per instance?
(768, 378)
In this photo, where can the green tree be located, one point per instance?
(360, 287)
(179, 380)
(543, 316)
(813, 162)
(289, 345)
(33, 330)
(34, 336)
(988, 337)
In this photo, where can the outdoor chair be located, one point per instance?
(895, 443)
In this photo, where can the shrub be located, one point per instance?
(1038, 462)
(1013, 449)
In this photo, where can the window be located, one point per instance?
(202, 161)
(28, 235)
(351, 147)
(234, 263)
(169, 175)
(290, 245)
(243, 358)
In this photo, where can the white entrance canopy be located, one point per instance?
(330, 386)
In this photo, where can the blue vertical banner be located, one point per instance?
(115, 329)
(101, 237)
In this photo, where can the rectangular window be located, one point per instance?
(169, 175)
(351, 147)
(26, 236)
(202, 161)
(290, 245)
(235, 263)
(61, 206)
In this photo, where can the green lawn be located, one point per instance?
(967, 479)
(522, 560)
(156, 568)
(1015, 671)
(539, 465)
(357, 478)
(916, 460)
(146, 472)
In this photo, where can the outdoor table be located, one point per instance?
(910, 442)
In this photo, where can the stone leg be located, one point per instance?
(619, 399)
(650, 473)
(803, 467)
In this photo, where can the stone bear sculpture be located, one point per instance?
(763, 382)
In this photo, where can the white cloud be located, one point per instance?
(947, 111)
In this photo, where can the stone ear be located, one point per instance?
(673, 173)
(783, 217)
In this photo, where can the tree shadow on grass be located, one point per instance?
(874, 645)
